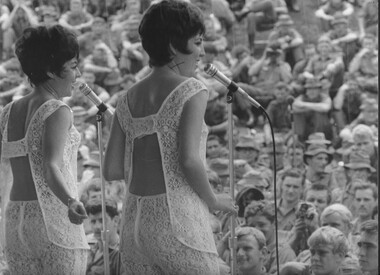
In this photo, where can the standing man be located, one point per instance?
(369, 247)
(365, 200)
(291, 190)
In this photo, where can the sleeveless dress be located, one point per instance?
(170, 231)
(33, 228)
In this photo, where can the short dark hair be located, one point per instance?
(45, 49)
(293, 173)
(318, 187)
(94, 207)
(361, 185)
(169, 23)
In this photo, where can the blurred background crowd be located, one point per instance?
(312, 65)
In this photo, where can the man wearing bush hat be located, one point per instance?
(359, 165)
(316, 158)
(247, 149)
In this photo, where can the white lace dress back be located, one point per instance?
(58, 226)
(188, 213)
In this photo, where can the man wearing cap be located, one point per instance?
(311, 111)
(289, 38)
(247, 149)
(316, 158)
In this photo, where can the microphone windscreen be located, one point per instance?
(290, 100)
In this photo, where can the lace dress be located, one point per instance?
(188, 214)
(59, 229)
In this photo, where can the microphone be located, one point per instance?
(290, 100)
(232, 86)
(86, 90)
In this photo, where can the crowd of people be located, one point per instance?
(321, 99)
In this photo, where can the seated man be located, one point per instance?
(328, 247)
(278, 111)
(368, 18)
(311, 111)
(326, 66)
(290, 39)
(343, 39)
(76, 19)
(369, 247)
(95, 261)
(264, 74)
(327, 12)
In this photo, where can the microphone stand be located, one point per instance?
(232, 239)
(232, 88)
(99, 119)
(293, 135)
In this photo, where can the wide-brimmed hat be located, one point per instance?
(315, 149)
(247, 141)
(359, 159)
(284, 20)
(279, 144)
(318, 138)
(313, 83)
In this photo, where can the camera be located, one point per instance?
(302, 212)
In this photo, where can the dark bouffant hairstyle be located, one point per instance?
(45, 49)
(169, 22)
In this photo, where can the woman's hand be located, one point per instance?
(225, 203)
(76, 212)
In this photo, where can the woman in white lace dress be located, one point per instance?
(43, 219)
(157, 145)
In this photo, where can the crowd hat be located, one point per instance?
(359, 159)
(279, 144)
(315, 149)
(313, 83)
(318, 138)
(284, 20)
(247, 141)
